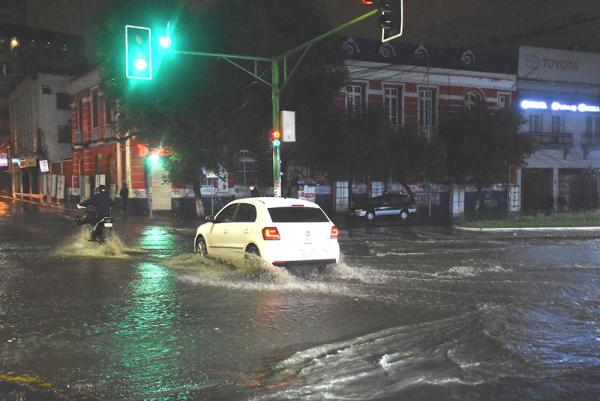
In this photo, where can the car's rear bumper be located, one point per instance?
(283, 263)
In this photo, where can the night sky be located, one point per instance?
(570, 24)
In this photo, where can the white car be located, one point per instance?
(282, 231)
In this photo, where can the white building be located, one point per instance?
(559, 94)
(40, 116)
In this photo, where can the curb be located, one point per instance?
(64, 209)
(526, 229)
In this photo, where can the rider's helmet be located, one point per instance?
(101, 188)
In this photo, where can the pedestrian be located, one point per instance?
(124, 194)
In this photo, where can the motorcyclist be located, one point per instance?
(102, 203)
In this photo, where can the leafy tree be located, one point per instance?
(205, 109)
(482, 144)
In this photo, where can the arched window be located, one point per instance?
(472, 98)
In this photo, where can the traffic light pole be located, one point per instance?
(275, 84)
(275, 95)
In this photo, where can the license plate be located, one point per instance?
(108, 225)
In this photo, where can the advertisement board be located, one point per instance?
(538, 63)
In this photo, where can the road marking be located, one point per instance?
(31, 380)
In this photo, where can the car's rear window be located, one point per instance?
(297, 215)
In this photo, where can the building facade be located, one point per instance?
(559, 94)
(40, 117)
(418, 87)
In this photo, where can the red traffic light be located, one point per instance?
(274, 135)
(368, 2)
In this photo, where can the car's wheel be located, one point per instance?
(404, 214)
(370, 216)
(200, 247)
(252, 250)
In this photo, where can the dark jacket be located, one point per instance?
(102, 202)
(124, 192)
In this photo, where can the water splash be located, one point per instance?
(255, 274)
(80, 246)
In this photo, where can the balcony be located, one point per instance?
(552, 140)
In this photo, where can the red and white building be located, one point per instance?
(418, 87)
(102, 154)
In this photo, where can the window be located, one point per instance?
(226, 215)
(472, 99)
(246, 213)
(63, 101)
(558, 124)
(354, 100)
(94, 108)
(589, 125)
(427, 107)
(297, 215)
(46, 90)
(392, 101)
(503, 100)
(536, 123)
(592, 125)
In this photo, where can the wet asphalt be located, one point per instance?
(411, 313)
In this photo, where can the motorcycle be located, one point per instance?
(99, 231)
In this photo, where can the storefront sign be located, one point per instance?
(28, 163)
(528, 104)
(538, 63)
(308, 192)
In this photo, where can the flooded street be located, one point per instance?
(412, 313)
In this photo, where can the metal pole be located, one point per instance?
(276, 126)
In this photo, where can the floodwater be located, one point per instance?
(411, 313)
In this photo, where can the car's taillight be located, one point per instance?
(270, 234)
(335, 232)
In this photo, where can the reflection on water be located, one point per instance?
(143, 351)
(159, 240)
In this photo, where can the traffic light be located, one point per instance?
(275, 138)
(391, 18)
(138, 52)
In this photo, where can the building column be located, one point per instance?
(119, 167)
(128, 163)
(555, 183)
(457, 205)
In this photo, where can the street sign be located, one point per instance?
(288, 122)
(44, 166)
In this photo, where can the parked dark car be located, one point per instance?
(399, 205)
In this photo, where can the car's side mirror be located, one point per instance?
(209, 219)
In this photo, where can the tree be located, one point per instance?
(482, 143)
(205, 109)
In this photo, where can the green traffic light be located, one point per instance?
(138, 52)
(141, 64)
